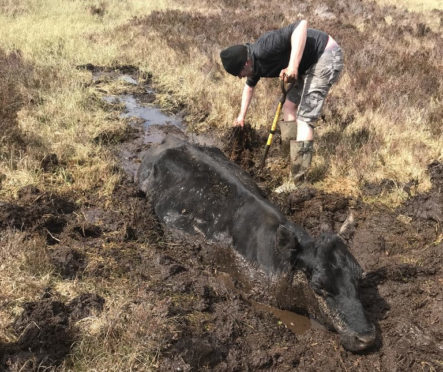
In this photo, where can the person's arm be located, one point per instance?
(246, 98)
(298, 42)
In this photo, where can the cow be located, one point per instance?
(197, 190)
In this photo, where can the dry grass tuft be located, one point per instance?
(126, 336)
(98, 9)
(24, 274)
(16, 75)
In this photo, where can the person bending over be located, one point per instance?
(309, 58)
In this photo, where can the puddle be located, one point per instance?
(152, 121)
(297, 323)
(149, 114)
(156, 123)
(128, 79)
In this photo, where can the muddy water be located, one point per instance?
(152, 125)
(156, 124)
(297, 323)
(149, 114)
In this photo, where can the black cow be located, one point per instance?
(198, 190)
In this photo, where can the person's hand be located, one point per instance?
(239, 122)
(288, 75)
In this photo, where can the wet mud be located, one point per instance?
(204, 297)
(46, 331)
(240, 143)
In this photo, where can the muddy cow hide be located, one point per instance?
(198, 190)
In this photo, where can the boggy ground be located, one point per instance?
(198, 305)
(401, 251)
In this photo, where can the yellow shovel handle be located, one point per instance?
(274, 124)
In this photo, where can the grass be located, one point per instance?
(187, 73)
(382, 120)
(65, 115)
(374, 90)
(415, 5)
(25, 273)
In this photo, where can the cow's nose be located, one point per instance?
(366, 340)
(358, 342)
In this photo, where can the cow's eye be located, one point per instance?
(321, 291)
(362, 281)
(319, 288)
(308, 273)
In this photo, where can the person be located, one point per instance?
(310, 59)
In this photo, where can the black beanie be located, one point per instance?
(234, 58)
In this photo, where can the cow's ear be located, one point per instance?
(286, 243)
(284, 237)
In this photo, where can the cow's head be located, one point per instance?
(334, 275)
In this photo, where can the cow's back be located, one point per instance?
(197, 189)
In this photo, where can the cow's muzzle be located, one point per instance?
(358, 342)
(357, 334)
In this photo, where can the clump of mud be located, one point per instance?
(49, 163)
(36, 210)
(240, 144)
(84, 305)
(218, 329)
(68, 262)
(246, 147)
(428, 206)
(46, 332)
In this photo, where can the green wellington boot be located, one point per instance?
(300, 156)
(288, 131)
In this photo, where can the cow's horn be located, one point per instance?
(350, 220)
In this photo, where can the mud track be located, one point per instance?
(205, 301)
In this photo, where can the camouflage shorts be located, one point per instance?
(311, 89)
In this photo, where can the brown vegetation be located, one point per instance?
(16, 74)
(388, 90)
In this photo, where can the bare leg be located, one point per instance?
(289, 111)
(304, 131)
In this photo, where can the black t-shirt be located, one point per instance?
(271, 52)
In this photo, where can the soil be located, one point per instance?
(209, 299)
(46, 330)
